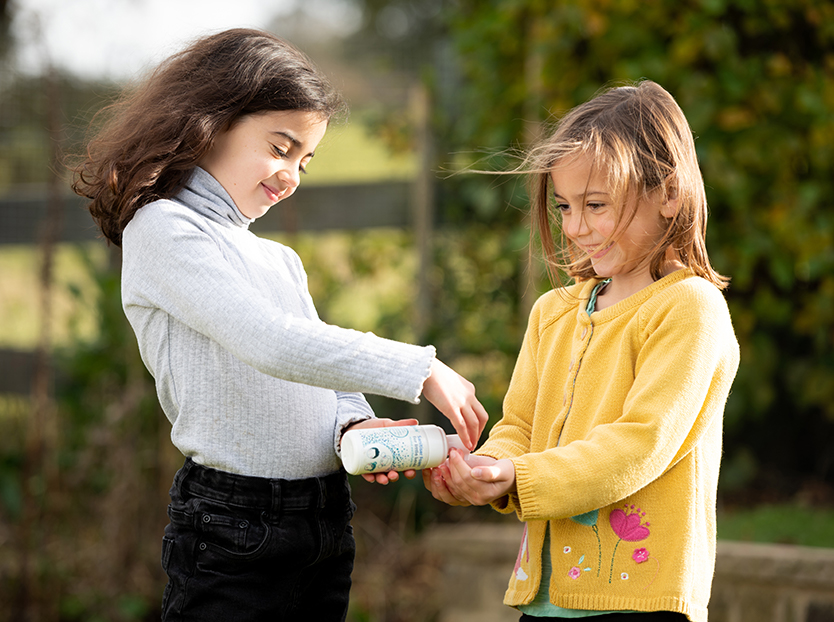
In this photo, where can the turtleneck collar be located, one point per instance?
(204, 194)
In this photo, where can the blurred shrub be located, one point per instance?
(756, 80)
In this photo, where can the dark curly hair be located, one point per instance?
(153, 136)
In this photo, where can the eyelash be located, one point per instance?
(564, 207)
(283, 154)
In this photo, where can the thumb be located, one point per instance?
(486, 474)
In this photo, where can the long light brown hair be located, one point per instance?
(154, 135)
(639, 138)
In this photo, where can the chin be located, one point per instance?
(254, 213)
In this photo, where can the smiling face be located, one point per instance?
(259, 160)
(617, 247)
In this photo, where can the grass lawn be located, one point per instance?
(349, 154)
(783, 524)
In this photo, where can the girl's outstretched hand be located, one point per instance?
(454, 396)
(476, 480)
(390, 476)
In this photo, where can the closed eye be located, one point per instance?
(280, 153)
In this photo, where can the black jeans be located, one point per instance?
(243, 548)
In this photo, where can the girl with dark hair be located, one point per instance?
(258, 390)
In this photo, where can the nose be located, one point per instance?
(574, 225)
(290, 176)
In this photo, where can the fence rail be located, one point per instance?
(312, 208)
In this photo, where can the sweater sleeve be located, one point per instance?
(510, 436)
(171, 263)
(350, 408)
(685, 361)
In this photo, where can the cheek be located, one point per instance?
(606, 226)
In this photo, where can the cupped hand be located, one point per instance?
(390, 476)
(454, 396)
(435, 482)
(476, 480)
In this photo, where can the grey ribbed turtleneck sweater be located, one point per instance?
(251, 379)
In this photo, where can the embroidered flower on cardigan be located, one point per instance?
(590, 519)
(576, 571)
(640, 556)
(628, 525)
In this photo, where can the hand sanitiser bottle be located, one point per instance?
(397, 448)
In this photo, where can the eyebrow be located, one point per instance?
(587, 194)
(296, 143)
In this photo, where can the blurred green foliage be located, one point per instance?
(756, 80)
(782, 524)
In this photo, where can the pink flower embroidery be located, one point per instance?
(640, 555)
(574, 572)
(627, 526)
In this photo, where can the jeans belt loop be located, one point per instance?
(276, 498)
(322, 492)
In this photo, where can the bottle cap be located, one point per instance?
(453, 440)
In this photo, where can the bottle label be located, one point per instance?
(398, 448)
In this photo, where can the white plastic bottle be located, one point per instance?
(397, 448)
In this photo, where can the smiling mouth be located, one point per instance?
(595, 252)
(272, 194)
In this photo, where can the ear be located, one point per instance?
(669, 207)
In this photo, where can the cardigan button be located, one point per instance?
(584, 332)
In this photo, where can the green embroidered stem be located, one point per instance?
(613, 555)
(599, 550)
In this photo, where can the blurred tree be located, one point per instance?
(756, 80)
(5, 20)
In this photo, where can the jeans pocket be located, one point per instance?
(238, 532)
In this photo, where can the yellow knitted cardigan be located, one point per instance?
(613, 422)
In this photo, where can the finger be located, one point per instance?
(393, 476)
(410, 474)
(457, 464)
(461, 426)
(441, 491)
(483, 417)
(479, 419)
(489, 474)
(459, 474)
